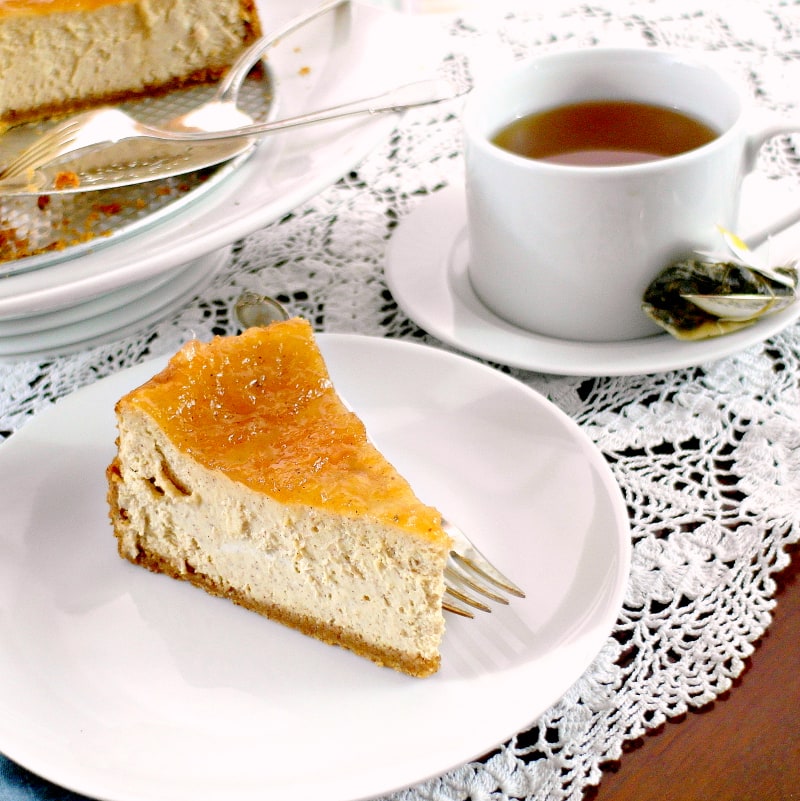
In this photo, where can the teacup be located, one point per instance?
(567, 250)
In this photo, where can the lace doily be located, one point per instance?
(708, 458)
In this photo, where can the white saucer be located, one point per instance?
(108, 317)
(426, 270)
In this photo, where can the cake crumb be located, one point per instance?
(108, 208)
(66, 180)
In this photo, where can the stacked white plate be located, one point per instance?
(153, 259)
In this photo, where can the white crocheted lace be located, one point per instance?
(708, 458)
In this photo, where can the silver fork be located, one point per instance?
(110, 125)
(469, 577)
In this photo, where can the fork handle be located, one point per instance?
(417, 93)
(228, 89)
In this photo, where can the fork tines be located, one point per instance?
(43, 148)
(468, 581)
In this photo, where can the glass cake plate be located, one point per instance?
(40, 231)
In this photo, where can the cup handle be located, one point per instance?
(756, 140)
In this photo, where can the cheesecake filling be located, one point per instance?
(342, 577)
(58, 55)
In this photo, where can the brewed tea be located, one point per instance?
(604, 133)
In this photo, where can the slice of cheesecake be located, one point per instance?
(241, 470)
(57, 56)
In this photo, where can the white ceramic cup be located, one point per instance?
(568, 251)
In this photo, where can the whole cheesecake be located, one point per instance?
(240, 470)
(58, 56)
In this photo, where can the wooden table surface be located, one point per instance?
(743, 747)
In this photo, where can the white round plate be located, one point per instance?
(85, 310)
(111, 316)
(130, 686)
(426, 270)
(355, 52)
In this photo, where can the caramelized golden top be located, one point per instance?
(19, 7)
(260, 408)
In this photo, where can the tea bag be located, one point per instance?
(710, 294)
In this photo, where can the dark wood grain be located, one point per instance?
(743, 747)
